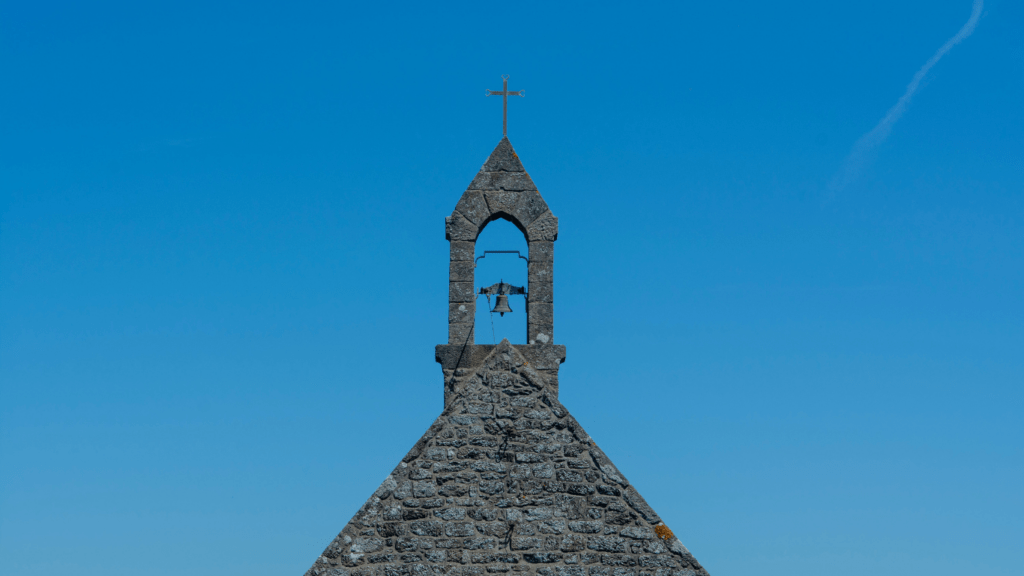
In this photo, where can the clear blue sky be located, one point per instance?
(223, 270)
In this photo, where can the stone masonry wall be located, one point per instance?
(505, 481)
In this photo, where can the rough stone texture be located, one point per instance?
(473, 207)
(461, 333)
(545, 358)
(461, 312)
(540, 312)
(515, 181)
(529, 207)
(461, 271)
(539, 332)
(541, 251)
(503, 159)
(502, 202)
(543, 228)
(462, 251)
(457, 227)
(461, 292)
(505, 480)
(542, 292)
(540, 271)
(540, 357)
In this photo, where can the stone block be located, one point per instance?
(461, 292)
(458, 356)
(423, 488)
(540, 313)
(473, 207)
(525, 543)
(542, 251)
(544, 470)
(541, 291)
(542, 557)
(620, 560)
(511, 181)
(554, 526)
(551, 378)
(543, 357)
(540, 272)
(544, 228)
(457, 227)
(501, 202)
(426, 528)
(460, 334)
(538, 333)
(462, 251)
(529, 207)
(459, 529)
(638, 532)
(607, 544)
(461, 271)
(503, 158)
(640, 505)
(461, 312)
(572, 543)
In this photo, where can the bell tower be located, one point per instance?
(505, 481)
(501, 189)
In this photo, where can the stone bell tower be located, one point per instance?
(501, 189)
(505, 481)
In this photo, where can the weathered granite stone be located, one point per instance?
(541, 291)
(540, 333)
(529, 207)
(462, 251)
(503, 159)
(541, 272)
(542, 251)
(461, 333)
(458, 313)
(544, 228)
(473, 207)
(513, 181)
(540, 312)
(461, 292)
(538, 493)
(457, 227)
(501, 202)
(461, 271)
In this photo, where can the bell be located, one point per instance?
(501, 305)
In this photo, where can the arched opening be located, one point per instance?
(492, 268)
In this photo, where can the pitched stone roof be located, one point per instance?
(505, 481)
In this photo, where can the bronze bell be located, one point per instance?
(501, 305)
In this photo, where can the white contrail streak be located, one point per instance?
(854, 162)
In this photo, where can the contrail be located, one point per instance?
(856, 159)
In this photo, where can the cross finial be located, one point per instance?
(505, 93)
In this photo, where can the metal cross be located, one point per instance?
(505, 93)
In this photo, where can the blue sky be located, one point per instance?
(223, 270)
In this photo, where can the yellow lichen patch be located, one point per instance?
(663, 532)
